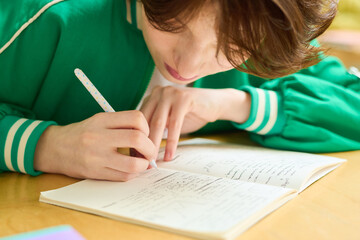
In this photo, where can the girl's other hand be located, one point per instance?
(185, 110)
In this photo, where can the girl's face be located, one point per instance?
(189, 54)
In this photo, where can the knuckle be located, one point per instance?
(136, 138)
(184, 96)
(169, 90)
(98, 117)
(180, 93)
(157, 123)
(138, 118)
(175, 124)
(156, 90)
(137, 115)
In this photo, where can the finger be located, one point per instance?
(149, 106)
(123, 120)
(129, 138)
(114, 175)
(176, 120)
(134, 153)
(146, 99)
(126, 164)
(158, 122)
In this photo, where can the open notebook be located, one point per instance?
(211, 190)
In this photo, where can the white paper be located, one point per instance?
(172, 199)
(251, 164)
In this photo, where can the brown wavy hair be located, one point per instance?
(275, 35)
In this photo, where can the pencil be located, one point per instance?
(99, 97)
(93, 91)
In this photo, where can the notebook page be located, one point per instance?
(175, 200)
(252, 164)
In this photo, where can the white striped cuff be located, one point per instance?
(266, 114)
(18, 139)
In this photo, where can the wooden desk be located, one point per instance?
(329, 209)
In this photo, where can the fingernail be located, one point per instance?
(168, 156)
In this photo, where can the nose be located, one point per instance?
(190, 57)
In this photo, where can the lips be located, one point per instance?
(176, 75)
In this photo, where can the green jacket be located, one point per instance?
(315, 110)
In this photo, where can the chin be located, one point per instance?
(173, 80)
(170, 78)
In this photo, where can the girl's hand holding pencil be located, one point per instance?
(88, 149)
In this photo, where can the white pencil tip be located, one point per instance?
(153, 164)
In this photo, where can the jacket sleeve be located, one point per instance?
(19, 85)
(19, 134)
(314, 110)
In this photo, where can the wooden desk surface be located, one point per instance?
(329, 209)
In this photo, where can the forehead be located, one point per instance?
(206, 18)
(209, 11)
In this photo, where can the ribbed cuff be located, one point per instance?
(266, 113)
(18, 139)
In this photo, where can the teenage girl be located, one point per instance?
(207, 65)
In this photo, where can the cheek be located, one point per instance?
(223, 62)
(220, 64)
(159, 43)
(225, 65)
